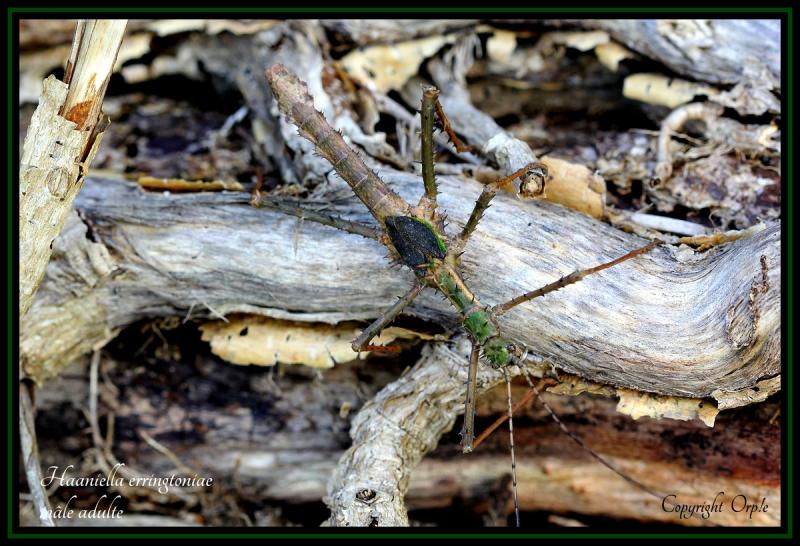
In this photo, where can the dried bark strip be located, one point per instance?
(63, 137)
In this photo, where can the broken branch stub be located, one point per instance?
(62, 139)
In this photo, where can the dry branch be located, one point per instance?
(672, 322)
(30, 458)
(62, 140)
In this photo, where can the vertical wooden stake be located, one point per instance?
(63, 137)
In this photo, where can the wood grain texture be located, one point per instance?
(671, 322)
(63, 138)
(708, 50)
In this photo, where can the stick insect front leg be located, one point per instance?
(485, 198)
(428, 201)
(431, 109)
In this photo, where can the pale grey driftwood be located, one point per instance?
(670, 322)
(709, 50)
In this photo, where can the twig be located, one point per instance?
(30, 457)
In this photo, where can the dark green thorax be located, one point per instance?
(416, 241)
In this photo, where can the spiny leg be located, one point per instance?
(511, 444)
(468, 430)
(431, 107)
(428, 201)
(570, 279)
(361, 343)
(260, 200)
(486, 196)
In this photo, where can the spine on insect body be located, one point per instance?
(294, 101)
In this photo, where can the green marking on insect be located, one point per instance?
(453, 291)
(479, 324)
(496, 352)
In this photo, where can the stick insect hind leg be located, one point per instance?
(514, 357)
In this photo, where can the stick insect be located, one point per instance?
(415, 237)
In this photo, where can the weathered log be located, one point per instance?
(674, 322)
(709, 50)
(371, 31)
(239, 436)
(671, 322)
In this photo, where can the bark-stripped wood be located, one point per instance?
(63, 137)
(672, 322)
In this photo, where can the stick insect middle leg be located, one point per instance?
(361, 343)
(485, 198)
(572, 278)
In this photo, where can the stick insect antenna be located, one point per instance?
(511, 444)
(578, 440)
(259, 200)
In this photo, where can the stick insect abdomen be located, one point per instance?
(311, 124)
(477, 320)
